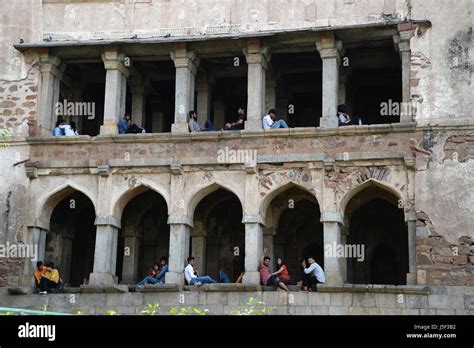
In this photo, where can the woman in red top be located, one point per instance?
(282, 272)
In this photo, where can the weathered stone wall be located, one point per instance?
(437, 301)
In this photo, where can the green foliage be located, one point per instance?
(111, 312)
(254, 308)
(188, 311)
(5, 135)
(151, 309)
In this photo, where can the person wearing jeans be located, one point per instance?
(269, 121)
(192, 276)
(156, 274)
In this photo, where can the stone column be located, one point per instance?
(180, 226)
(403, 40)
(115, 88)
(36, 237)
(333, 266)
(50, 79)
(328, 50)
(257, 60)
(410, 219)
(105, 256)
(132, 244)
(253, 248)
(66, 253)
(203, 88)
(270, 93)
(199, 252)
(186, 66)
(138, 105)
(268, 236)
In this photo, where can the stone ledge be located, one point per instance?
(95, 289)
(231, 287)
(20, 290)
(158, 288)
(388, 289)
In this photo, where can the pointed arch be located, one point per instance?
(49, 201)
(199, 194)
(125, 197)
(271, 195)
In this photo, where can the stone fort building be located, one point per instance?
(104, 206)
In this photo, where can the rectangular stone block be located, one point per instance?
(270, 298)
(363, 300)
(280, 310)
(63, 300)
(91, 300)
(387, 300)
(428, 311)
(83, 310)
(445, 302)
(338, 310)
(233, 298)
(320, 310)
(215, 309)
(216, 298)
(469, 302)
(190, 298)
(300, 310)
(445, 312)
(341, 299)
(319, 299)
(390, 311)
(245, 297)
(462, 312)
(282, 298)
(126, 310)
(229, 310)
(410, 311)
(364, 311)
(298, 298)
(414, 301)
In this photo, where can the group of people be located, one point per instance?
(156, 275)
(63, 128)
(312, 273)
(47, 279)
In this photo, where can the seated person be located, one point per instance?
(269, 121)
(68, 129)
(223, 266)
(194, 125)
(343, 116)
(266, 276)
(240, 123)
(282, 272)
(239, 279)
(312, 275)
(192, 275)
(126, 126)
(38, 274)
(151, 277)
(50, 281)
(57, 130)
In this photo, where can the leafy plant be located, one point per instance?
(151, 309)
(188, 311)
(254, 308)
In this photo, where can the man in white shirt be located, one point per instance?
(192, 277)
(269, 121)
(312, 275)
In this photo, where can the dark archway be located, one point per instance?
(299, 231)
(219, 235)
(376, 223)
(70, 242)
(144, 236)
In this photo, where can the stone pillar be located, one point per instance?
(270, 93)
(180, 226)
(186, 66)
(105, 256)
(253, 248)
(203, 88)
(132, 244)
(66, 253)
(403, 40)
(257, 60)
(50, 79)
(199, 252)
(138, 105)
(36, 236)
(328, 50)
(268, 236)
(410, 219)
(333, 266)
(115, 88)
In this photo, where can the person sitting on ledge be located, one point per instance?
(343, 116)
(266, 276)
(38, 274)
(192, 275)
(269, 121)
(50, 280)
(282, 272)
(194, 124)
(126, 126)
(152, 275)
(312, 275)
(239, 124)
